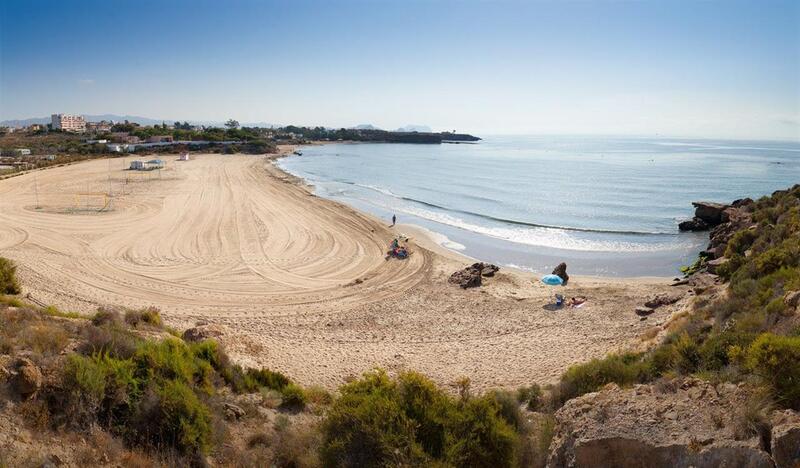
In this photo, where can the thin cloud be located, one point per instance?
(86, 81)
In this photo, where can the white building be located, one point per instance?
(68, 123)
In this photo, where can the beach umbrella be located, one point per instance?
(552, 280)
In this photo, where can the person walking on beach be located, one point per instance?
(394, 220)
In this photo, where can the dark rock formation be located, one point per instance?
(694, 224)
(561, 272)
(687, 423)
(643, 311)
(470, 277)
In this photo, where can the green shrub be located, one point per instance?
(8, 277)
(180, 419)
(292, 396)
(479, 437)
(379, 421)
(622, 369)
(776, 360)
(366, 427)
(267, 378)
(715, 351)
(428, 407)
(687, 354)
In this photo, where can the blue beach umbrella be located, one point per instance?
(552, 280)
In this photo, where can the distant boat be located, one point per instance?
(298, 153)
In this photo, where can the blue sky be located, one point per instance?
(681, 68)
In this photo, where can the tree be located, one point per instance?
(232, 124)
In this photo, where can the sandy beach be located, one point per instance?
(299, 283)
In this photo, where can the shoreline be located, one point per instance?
(299, 284)
(428, 236)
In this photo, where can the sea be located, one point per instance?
(605, 206)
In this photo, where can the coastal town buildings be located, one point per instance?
(99, 127)
(68, 123)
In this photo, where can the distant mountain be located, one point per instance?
(415, 128)
(365, 127)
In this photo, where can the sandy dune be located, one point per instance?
(232, 240)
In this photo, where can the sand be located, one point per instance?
(300, 283)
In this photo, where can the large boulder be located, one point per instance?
(709, 212)
(28, 379)
(470, 277)
(785, 440)
(687, 423)
(561, 272)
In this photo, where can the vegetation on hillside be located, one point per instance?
(166, 398)
(749, 334)
(8, 277)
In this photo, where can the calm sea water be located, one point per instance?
(606, 206)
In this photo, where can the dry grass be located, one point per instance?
(44, 338)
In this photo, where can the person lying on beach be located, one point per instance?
(576, 301)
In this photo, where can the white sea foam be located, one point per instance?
(540, 237)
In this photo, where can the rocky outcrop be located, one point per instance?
(709, 212)
(659, 300)
(28, 378)
(561, 272)
(471, 276)
(680, 424)
(785, 439)
(233, 412)
(792, 299)
(709, 215)
(694, 224)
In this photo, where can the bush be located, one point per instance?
(367, 427)
(8, 277)
(178, 419)
(622, 369)
(776, 360)
(44, 338)
(379, 421)
(150, 315)
(292, 396)
(106, 317)
(479, 438)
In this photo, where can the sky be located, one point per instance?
(710, 69)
